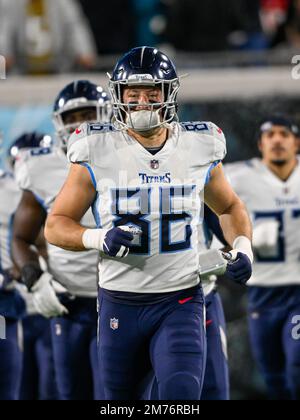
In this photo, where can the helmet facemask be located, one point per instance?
(155, 114)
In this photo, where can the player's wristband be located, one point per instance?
(243, 244)
(31, 272)
(94, 238)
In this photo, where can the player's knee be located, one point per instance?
(180, 386)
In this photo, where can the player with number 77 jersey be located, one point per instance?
(272, 196)
(152, 173)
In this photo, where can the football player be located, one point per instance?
(38, 378)
(67, 291)
(144, 178)
(12, 305)
(272, 195)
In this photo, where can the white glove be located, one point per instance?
(45, 299)
(266, 235)
(28, 299)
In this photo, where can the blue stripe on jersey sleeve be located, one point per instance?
(212, 166)
(86, 165)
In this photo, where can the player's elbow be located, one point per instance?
(236, 205)
(51, 228)
(239, 204)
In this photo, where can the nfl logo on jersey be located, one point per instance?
(114, 324)
(154, 164)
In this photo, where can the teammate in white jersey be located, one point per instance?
(12, 306)
(38, 378)
(272, 195)
(41, 174)
(145, 181)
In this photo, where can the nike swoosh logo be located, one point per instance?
(183, 301)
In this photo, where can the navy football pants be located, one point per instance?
(10, 363)
(38, 377)
(276, 352)
(216, 380)
(170, 335)
(75, 351)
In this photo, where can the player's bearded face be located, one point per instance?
(144, 107)
(278, 145)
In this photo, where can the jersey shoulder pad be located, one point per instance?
(90, 129)
(78, 145)
(28, 165)
(40, 151)
(195, 126)
(32, 154)
(237, 172)
(81, 132)
(78, 148)
(206, 130)
(100, 128)
(203, 127)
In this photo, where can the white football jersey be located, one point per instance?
(43, 172)
(269, 198)
(9, 200)
(161, 194)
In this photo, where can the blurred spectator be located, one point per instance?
(288, 33)
(5, 29)
(113, 24)
(195, 25)
(45, 36)
(273, 14)
(247, 32)
(214, 25)
(150, 21)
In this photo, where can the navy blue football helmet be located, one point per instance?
(28, 141)
(80, 95)
(145, 66)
